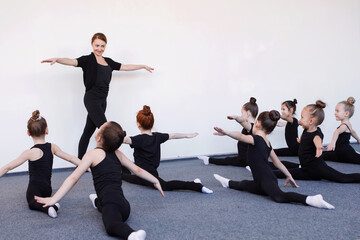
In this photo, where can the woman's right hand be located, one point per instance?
(158, 187)
(52, 61)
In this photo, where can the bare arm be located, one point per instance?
(61, 154)
(281, 124)
(134, 67)
(16, 162)
(63, 61)
(354, 134)
(182, 135)
(242, 120)
(235, 135)
(139, 171)
(127, 140)
(331, 146)
(318, 144)
(69, 182)
(277, 163)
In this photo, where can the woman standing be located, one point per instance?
(97, 76)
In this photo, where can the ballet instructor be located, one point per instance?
(97, 76)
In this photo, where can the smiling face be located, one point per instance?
(340, 113)
(98, 46)
(306, 119)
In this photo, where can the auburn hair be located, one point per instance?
(100, 36)
(145, 118)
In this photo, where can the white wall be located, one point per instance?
(209, 58)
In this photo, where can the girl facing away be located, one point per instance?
(339, 149)
(313, 166)
(40, 160)
(106, 164)
(265, 182)
(147, 154)
(249, 112)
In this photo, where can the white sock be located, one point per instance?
(206, 190)
(248, 168)
(92, 197)
(224, 181)
(58, 206)
(138, 235)
(197, 180)
(318, 201)
(205, 159)
(52, 212)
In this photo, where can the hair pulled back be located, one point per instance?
(36, 124)
(112, 136)
(252, 107)
(291, 104)
(268, 120)
(349, 106)
(145, 118)
(317, 111)
(100, 36)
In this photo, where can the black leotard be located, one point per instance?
(291, 136)
(343, 151)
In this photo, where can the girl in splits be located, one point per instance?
(40, 158)
(265, 183)
(339, 149)
(106, 164)
(97, 76)
(313, 166)
(249, 112)
(147, 154)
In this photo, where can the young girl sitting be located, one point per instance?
(313, 166)
(147, 154)
(106, 164)
(265, 182)
(40, 158)
(339, 150)
(249, 112)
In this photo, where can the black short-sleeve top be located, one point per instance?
(307, 148)
(90, 66)
(147, 152)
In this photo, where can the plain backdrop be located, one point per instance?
(209, 57)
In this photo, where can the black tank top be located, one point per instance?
(40, 170)
(307, 148)
(258, 155)
(291, 134)
(343, 139)
(107, 175)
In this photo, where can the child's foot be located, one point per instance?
(197, 180)
(57, 207)
(224, 181)
(52, 212)
(205, 159)
(92, 197)
(248, 168)
(138, 235)
(319, 202)
(206, 190)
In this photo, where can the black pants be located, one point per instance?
(238, 161)
(40, 190)
(318, 171)
(165, 185)
(287, 164)
(268, 187)
(286, 152)
(346, 155)
(96, 117)
(115, 210)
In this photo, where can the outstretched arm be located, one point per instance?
(182, 135)
(61, 154)
(16, 162)
(63, 61)
(134, 67)
(139, 171)
(319, 147)
(235, 135)
(242, 120)
(354, 134)
(277, 163)
(127, 140)
(69, 182)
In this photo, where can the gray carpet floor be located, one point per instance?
(225, 214)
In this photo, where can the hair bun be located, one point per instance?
(123, 134)
(320, 104)
(274, 115)
(295, 101)
(35, 115)
(252, 100)
(146, 110)
(350, 100)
